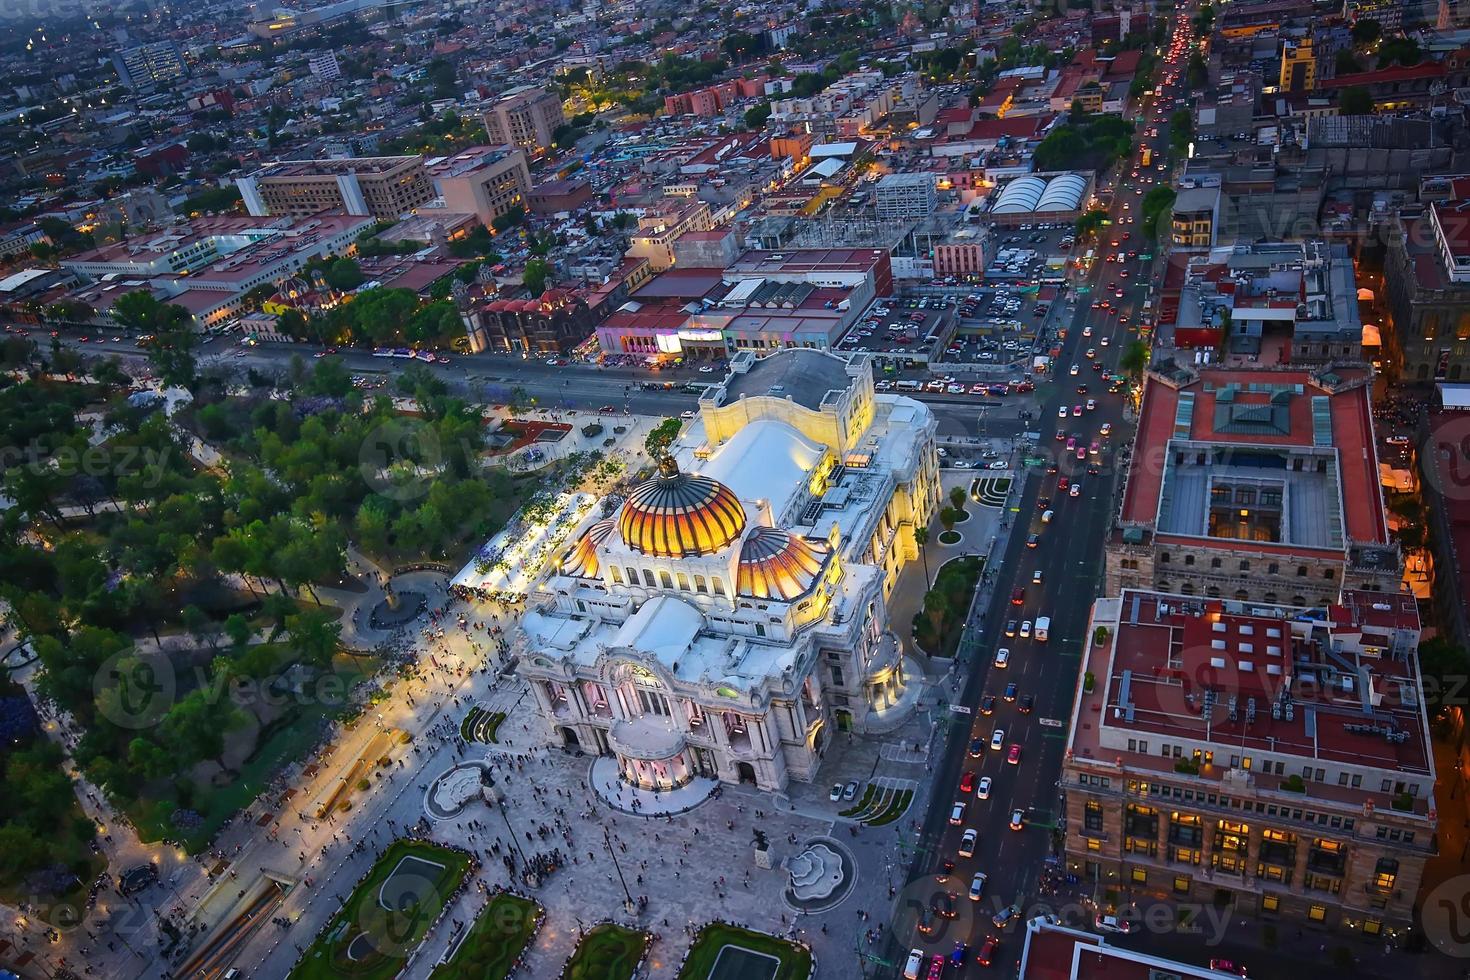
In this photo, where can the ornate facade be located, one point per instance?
(732, 611)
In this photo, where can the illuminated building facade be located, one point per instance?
(731, 613)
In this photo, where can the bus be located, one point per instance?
(1148, 154)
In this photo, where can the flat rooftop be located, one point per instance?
(804, 376)
(1337, 687)
(1306, 436)
(333, 167)
(805, 260)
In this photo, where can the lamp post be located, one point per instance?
(612, 853)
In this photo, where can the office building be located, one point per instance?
(387, 188)
(730, 616)
(526, 117)
(1258, 485)
(486, 181)
(1274, 761)
(325, 66)
(150, 65)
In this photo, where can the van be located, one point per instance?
(908, 386)
(914, 965)
(1043, 627)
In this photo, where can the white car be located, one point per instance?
(1062, 411)
(997, 741)
(1111, 923)
(968, 841)
(1091, 404)
(977, 886)
(1036, 577)
(836, 793)
(1002, 657)
(957, 813)
(1107, 427)
(982, 791)
(706, 369)
(913, 964)
(1073, 371)
(686, 415)
(1026, 629)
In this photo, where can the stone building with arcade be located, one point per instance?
(731, 613)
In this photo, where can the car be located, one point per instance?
(1025, 631)
(957, 813)
(1091, 353)
(1018, 595)
(1105, 429)
(1071, 443)
(1091, 405)
(1073, 370)
(977, 747)
(1087, 330)
(1036, 577)
(1010, 627)
(982, 792)
(968, 842)
(1398, 440)
(1076, 411)
(1227, 966)
(999, 464)
(913, 964)
(943, 905)
(1005, 915)
(686, 415)
(1075, 491)
(1032, 540)
(1014, 755)
(1027, 702)
(1010, 692)
(1043, 503)
(836, 793)
(967, 781)
(850, 791)
(997, 739)
(606, 410)
(1018, 819)
(1112, 923)
(987, 704)
(1002, 657)
(986, 953)
(1104, 342)
(1095, 449)
(977, 886)
(706, 369)
(957, 955)
(1081, 452)
(936, 967)
(137, 878)
(1062, 409)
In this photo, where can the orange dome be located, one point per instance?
(680, 515)
(776, 564)
(581, 560)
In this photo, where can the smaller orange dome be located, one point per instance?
(581, 560)
(776, 564)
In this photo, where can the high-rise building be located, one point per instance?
(526, 117)
(1271, 760)
(325, 66)
(385, 187)
(486, 181)
(150, 65)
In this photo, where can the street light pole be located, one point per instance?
(612, 853)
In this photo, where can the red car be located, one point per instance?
(967, 782)
(1014, 755)
(986, 953)
(1018, 596)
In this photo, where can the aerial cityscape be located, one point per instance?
(787, 491)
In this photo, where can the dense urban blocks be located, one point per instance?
(387, 915)
(495, 941)
(725, 952)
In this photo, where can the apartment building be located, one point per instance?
(387, 188)
(1258, 485)
(150, 65)
(1272, 760)
(486, 181)
(526, 117)
(1195, 217)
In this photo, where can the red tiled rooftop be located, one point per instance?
(1352, 432)
(1384, 76)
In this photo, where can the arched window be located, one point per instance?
(665, 579)
(632, 575)
(683, 582)
(1298, 600)
(648, 577)
(617, 575)
(699, 585)
(1187, 588)
(718, 584)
